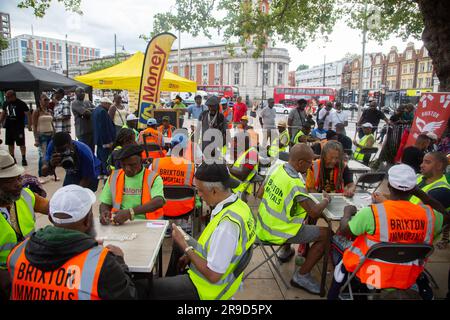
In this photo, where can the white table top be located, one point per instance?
(356, 166)
(141, 252)
(335, 210)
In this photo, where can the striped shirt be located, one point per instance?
(62, 109)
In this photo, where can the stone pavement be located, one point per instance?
(263, 284)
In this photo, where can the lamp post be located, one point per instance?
(115, 47)
(362, 61)
(263, 75)
(324, 57)
(67, 59)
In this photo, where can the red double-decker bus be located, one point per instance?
(289, 95)
(221, 91)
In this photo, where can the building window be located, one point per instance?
(425, 52)
(405, 69)
(280, 74)
(205, 73)
(408, 55)
(410, 83)
(429, 66)
(422, 67)
(420, 82)
(403, 84)
(217, 71)
(266, 74)
(428, 82)
(378, 60)
(392, 57)
(411, 68)
(236, 73)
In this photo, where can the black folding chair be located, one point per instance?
(390, 253)
(184, 192)
(243, 263)
(369, 154)
(370, 181)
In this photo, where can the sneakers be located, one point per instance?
(305, 282)
(285, 254)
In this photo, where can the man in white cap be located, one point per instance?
(104, 132)
(132, 122)
(367, 141)
(394, 220)
(65, 261)
(17, 204)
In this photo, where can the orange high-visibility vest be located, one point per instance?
(176, 172)
(316, 173)
(226, 113)
(169, 130)
(153, 136)
(117, 184)
(395, 222)
(77, 279)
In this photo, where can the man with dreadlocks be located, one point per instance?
(329, 173)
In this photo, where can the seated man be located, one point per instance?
(152, 137)
(303, 136)
(219, 250)
(17, 214)
(131, 190)
(343, 138)
(367, 141)
(281, 143)
(82, 167)
(176, 170)
(132, 123)
(125, 137)
(166, 129)
(387, 221)
(319, 132)
(329, 173)
(413, 155)
(66, 249)
(284, 206)
(245, 166)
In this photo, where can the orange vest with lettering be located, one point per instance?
(169, 130)
(176, 172)
(395, 222)
(117, 185)
(77, 279)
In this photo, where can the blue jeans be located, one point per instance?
(43, 141)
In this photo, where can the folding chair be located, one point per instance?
(390, 253)
(368, 155)
(257, 180)
(152, 147)
(243, 263)
(370, 181)
(180, 193)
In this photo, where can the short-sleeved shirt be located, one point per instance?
(319, 133)
(196, 110)
(15, 113)
(180, 106)
(372, 116)
(86, 164)
(268, 116)
(364, 222)
(62, 109)
(298, 120)
(413, 157)
(327, 119)
(440, 194)
(239, 110)
(132, 193)
(338, 117)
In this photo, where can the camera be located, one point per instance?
(67, 161)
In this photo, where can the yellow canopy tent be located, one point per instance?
(127, 76)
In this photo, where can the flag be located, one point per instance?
(155, 63)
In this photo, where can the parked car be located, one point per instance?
(281, 108)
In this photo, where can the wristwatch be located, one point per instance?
(187, 250)
(131, 213)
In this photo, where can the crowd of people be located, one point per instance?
(220, 157)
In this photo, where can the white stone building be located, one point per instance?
(314, 76)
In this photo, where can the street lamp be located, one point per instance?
(115, 47)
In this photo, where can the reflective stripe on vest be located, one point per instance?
(244, 184)
(357, 155)
(83, 286)
(316, 174)
(298, 135)
(188, 172)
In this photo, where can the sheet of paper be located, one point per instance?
(155, 224)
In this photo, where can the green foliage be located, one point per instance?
(3, 43)
(40, 6)
(97, 66)
(298, 22)
(302, 67)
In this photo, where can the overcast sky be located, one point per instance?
(129, 19)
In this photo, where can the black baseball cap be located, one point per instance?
(212, 101)
(129, 151)
(216, 173)
(59, 90)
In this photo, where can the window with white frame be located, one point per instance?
(392, 57)
(266, 74)
(411, 68)
(420, 83)
(428, 82)
(237, 73)
(280, 74)
(409, 55)
(205, 71)
(405, 69)
(378, 60)
(429, 66)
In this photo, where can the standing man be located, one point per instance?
(195, 110)
(166, 129)
(227, 112)
(267, 120)
(372, 115)
(181, 108)
(17, 213)
(61, 112)
(14, 111)
(132, 123)
(82, 111)
(339, 116)
(104, 132)
(284, 206)
(239, 110)
(212, 119)
(326, 115)
(297, 118)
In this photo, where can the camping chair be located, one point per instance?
(368, 155)
(370, 180)
(391, 253)
(154, 148)
(181, 192)
(243, 263)
(257, 180)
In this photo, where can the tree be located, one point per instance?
(97, 66)
(3, 43)
(300, 22)
(302, 67)
(40, 6)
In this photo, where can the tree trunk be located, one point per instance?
(436, 37)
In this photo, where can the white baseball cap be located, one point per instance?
(402, 177)
(105, 100)
(432, 136)
(131, 117)
(72, 200)
(367, 125)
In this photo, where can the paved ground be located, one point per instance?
(263, 284)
